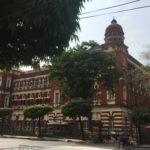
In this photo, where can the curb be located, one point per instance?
(144, 146)
(59, 139)
(44, 138)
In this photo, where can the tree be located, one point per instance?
(81, 66)
(31, 31)
(36, 111)
(140, 77)
(146, 55)
(4, 112)
(139, 117)
(77, 109)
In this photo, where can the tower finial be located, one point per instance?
(114, 21)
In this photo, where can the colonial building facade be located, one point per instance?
(113, 109)
(19, 89)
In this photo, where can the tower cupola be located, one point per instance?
(114, 33)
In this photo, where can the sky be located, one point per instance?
(135, 24)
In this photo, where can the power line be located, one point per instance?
(111, 7)
(114, 12)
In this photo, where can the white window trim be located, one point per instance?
(8, 83)
(56, 102)
(124, 93)
(6, 102)
(110, 97)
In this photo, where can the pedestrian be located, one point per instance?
(132, 141)
(113, 141)
(123, 140)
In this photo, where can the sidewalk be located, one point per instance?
(147, 146)
(44, 138)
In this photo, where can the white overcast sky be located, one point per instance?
(136, 24)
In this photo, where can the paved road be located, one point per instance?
(51, 145)
(54, 145)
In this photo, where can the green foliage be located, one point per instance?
(81, 66)
(85, 46)
(34, 30)
(36, 111)
(140, 116)
(76, 108)
(5, 112)
(146, 55)
(141, 77)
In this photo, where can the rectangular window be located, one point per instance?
(0, 80)
(56, 97)
(124, 93)
(111, 122)
(8, 83)
(6, 102)
(110, 96)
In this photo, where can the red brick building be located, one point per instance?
(111, 109)
(23, 88)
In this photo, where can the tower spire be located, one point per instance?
(114, 21)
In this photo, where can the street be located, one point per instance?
(54, 145)
(51, 145)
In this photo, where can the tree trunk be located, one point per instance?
(33, 127)
(100, 131)
(10, 125)
(140, 134)
(39, 124)
(90, 123)
(2, 125)
(81, 127)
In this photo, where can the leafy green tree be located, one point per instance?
(4, 112)
(81, 66)
(139, 117)
(77, 109)
(146, 55)
(34, 30)
(37, 111)
(140, 77)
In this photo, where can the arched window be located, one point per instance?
(31, 96)
(48, 94)
(6, 102)
(23, 96)
(39, 95)
(8, 83)
(96, 86)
